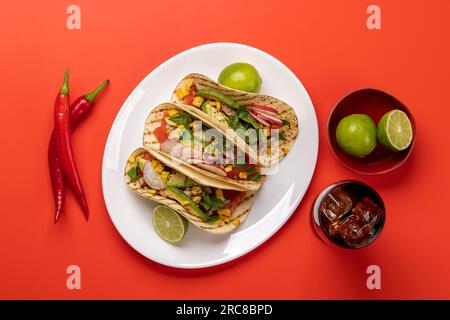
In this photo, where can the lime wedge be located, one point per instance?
(395, 130)
(169, 225)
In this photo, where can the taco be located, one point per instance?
(181, 135)
(201, 200)
(228, 108)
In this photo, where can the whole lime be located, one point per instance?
(356, 135)
(241, 76)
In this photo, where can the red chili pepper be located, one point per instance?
(57, 177)
(78, 110)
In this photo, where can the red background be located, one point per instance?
(327, 45)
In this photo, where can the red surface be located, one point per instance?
(326, 43)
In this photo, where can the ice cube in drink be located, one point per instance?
(355, 231)
(336, 204)
(368, 210)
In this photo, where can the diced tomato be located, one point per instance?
(233, 173)
(147, 156)
(190, 97)
(161, 132)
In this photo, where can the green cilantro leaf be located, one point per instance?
(255, 177)
(133, 174)
(181, 119)
(216, 203)
(234, 121)
(244, 115)
(212, 219)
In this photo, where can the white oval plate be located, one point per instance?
(274, 203)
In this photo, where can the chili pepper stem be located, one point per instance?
(65, 87)
(92, 95)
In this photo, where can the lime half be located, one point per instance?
(395, 130)
(169, 224)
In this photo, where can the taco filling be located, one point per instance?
(184, 137)
(264, 119)
(210, 205)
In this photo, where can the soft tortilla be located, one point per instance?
(285, 112)
(153, 121)
(139, 187)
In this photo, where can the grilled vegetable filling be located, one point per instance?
(229, 112)
(185, 138)
(211, 205)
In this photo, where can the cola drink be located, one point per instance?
(349, 214)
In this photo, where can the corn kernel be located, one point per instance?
(187, 84)
(181, 93)
(151, 191)
(172, 112)
(198, 101)
(184, 202)
(181, 126)
(184, 88)
(197, 199)
(236, 222)
(243, 175)
(227, 220)
(159, 169)
(155, 163)
(196, 190)
(164, 175)
(224, 212)
(228, 168)
(267, 131)
(132, 159)
(219, 194)
(218, 106)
